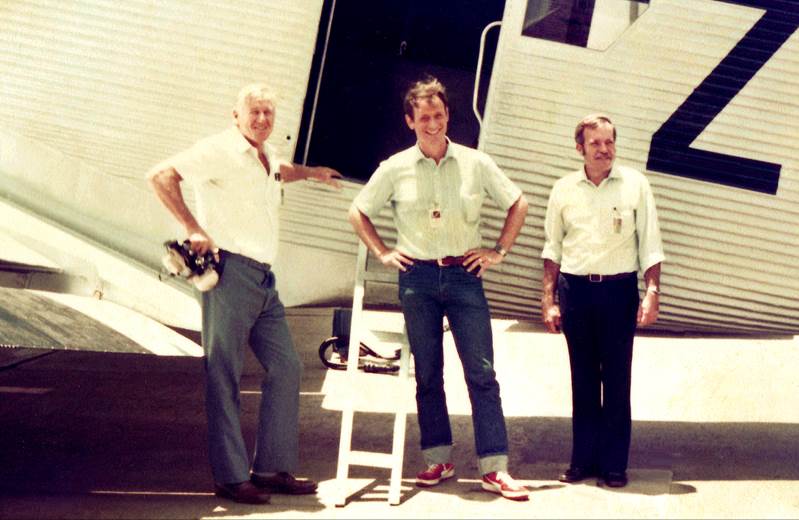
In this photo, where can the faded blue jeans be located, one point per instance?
(428, 293)
(245, 308)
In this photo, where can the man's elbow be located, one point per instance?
(550, 265)
(355, 216)
(154, 181)
(522, 205)
(164, 179)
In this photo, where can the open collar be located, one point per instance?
(418, 155)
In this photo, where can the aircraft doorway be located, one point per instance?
(373, 52)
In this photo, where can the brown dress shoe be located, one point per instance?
(284, 483)
(243, 492)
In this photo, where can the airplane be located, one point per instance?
(703, 94)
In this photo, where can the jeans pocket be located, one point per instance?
(471, 275)
(403, 275)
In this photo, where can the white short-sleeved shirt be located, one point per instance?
(607, 229)
(456, 187)
(237, 202)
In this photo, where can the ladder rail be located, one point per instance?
(353, 355)
(347, 456)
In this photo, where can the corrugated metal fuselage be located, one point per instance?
(92, 94)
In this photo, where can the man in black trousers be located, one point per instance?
(601, 228)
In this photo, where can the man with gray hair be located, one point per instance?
(237, 179)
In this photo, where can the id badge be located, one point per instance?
(435, 218)
(616, 221)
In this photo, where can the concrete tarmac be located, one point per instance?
(101, 435)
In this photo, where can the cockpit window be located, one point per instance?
(594, 24)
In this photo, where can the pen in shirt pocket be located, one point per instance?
(616, 220)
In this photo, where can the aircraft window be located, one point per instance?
(594, 24)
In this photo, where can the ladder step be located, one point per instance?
(371, 458)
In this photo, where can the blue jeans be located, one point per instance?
(428, 293)
(245, 308)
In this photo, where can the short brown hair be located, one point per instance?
(424, 89)
(591, 121)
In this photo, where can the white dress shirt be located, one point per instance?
(237, 202)
(607, 229)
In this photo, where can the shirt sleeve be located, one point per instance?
(376, 193)
(194, 165)
(499, 187)
(553, 229)
(650, 246)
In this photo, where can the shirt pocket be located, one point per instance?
(471, 203)
(617, 222)
(274, 193)
(406, 195)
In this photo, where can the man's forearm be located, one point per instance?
(549, 282)
(294, 172)
(366, 231)
(291, 172)
(513, 223)
(652, 279)
(166, 185)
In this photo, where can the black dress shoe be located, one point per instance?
(243, 492)
(284, 483)
(576, 474)
(615, 479)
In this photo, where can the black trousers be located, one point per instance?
(599, 321)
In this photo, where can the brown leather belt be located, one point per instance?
(447, 261)
(598, 278)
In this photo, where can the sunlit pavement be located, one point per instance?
(715, 434)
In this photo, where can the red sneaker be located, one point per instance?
(503, 484)
(434, 474)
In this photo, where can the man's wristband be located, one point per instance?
(501, 250)
(653, 290)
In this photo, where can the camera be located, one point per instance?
(181, 260)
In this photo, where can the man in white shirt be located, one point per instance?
(601, 228)
(436, 189)
(237, 183)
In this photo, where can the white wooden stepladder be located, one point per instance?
(347, 456)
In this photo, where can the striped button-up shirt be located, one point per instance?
(456, 188)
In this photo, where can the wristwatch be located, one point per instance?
(501, 250)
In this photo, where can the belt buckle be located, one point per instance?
(595, 278)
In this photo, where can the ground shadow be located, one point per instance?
(131, 424)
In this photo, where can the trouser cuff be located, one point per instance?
(437, 454)
(493, 463)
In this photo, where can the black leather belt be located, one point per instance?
(598, 278)
(447, 261)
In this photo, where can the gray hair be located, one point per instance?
(254, 91)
